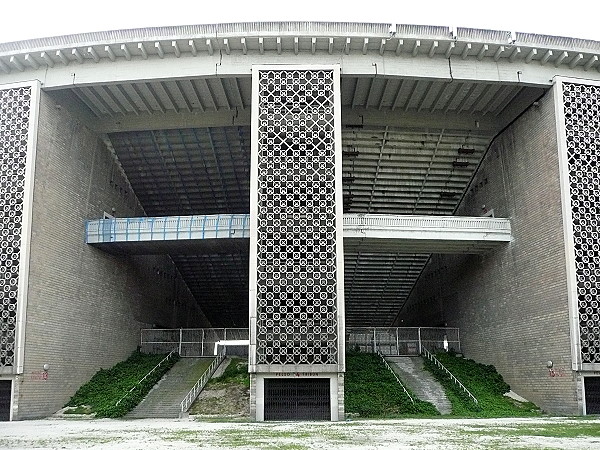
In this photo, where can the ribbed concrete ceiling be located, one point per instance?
(190, 171)
(400, 167)
(218, 94)
(385, 170)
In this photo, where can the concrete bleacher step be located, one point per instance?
(164, 400)
(411, 370)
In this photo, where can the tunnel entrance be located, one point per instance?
(297, 399)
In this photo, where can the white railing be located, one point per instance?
(195, 391)
(165, 359)
(396, 377)
(437, 362)
(425, 222)
(402, 341)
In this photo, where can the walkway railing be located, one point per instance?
(399, 222)
(192, 342)
(395, 376)
(427, 354)
(402, 341)
(165, 359)
(195, 391)
(136, 229)
(173, 228)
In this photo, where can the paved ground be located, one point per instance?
(147, 434)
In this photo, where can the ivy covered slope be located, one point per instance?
(108, 386)
(371, 390)
(484, 382)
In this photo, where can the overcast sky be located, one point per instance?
(36, 18)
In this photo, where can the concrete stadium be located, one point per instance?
(310, 184)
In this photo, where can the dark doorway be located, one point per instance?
(5, 394)
(592, 395)
(297, 399)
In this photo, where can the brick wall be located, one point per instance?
(511, 304)
(85, 307)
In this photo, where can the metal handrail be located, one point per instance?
(437, 362)
(146, 376)
(395, 376)
(195, 391)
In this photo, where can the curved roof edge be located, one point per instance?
(329, 29)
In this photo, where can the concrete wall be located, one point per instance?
(511, 305)
(85, 307)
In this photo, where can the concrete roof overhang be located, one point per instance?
(420, 105)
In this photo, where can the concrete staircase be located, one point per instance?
(164, 400)
(412, 373)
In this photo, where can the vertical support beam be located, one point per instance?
(295, 181)
(574, 105)
(180, 340)
(18, 142)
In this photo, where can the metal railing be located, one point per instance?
(195, 391)
(437, 362)
(165, 359)
(137, 229)
(396, 222)
(395, 376)
(402, 341)
(192, 342)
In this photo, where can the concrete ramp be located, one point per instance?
(412, 373)
(164, 400)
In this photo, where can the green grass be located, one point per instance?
(235, 373)
(371, 390)
(107, 386)
(484, 382)
(552, 430)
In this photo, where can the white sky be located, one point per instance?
(37, 18)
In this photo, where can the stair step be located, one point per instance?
(411, 370)
(164, 400)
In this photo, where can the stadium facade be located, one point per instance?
(364, 155)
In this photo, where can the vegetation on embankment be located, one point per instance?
(227, 395)
(486, 385)
(372, 391)
(108, 386)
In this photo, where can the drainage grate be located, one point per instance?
(297, 399)
(5, 391)
(592, 395)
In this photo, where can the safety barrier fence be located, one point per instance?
(389, 341)
(402, 341)
(192, 342)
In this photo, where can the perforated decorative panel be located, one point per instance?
(296, 219)
(15, 105)
(582, 125)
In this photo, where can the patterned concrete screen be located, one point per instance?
(581, 192)
(17, 137)
(296, 309)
